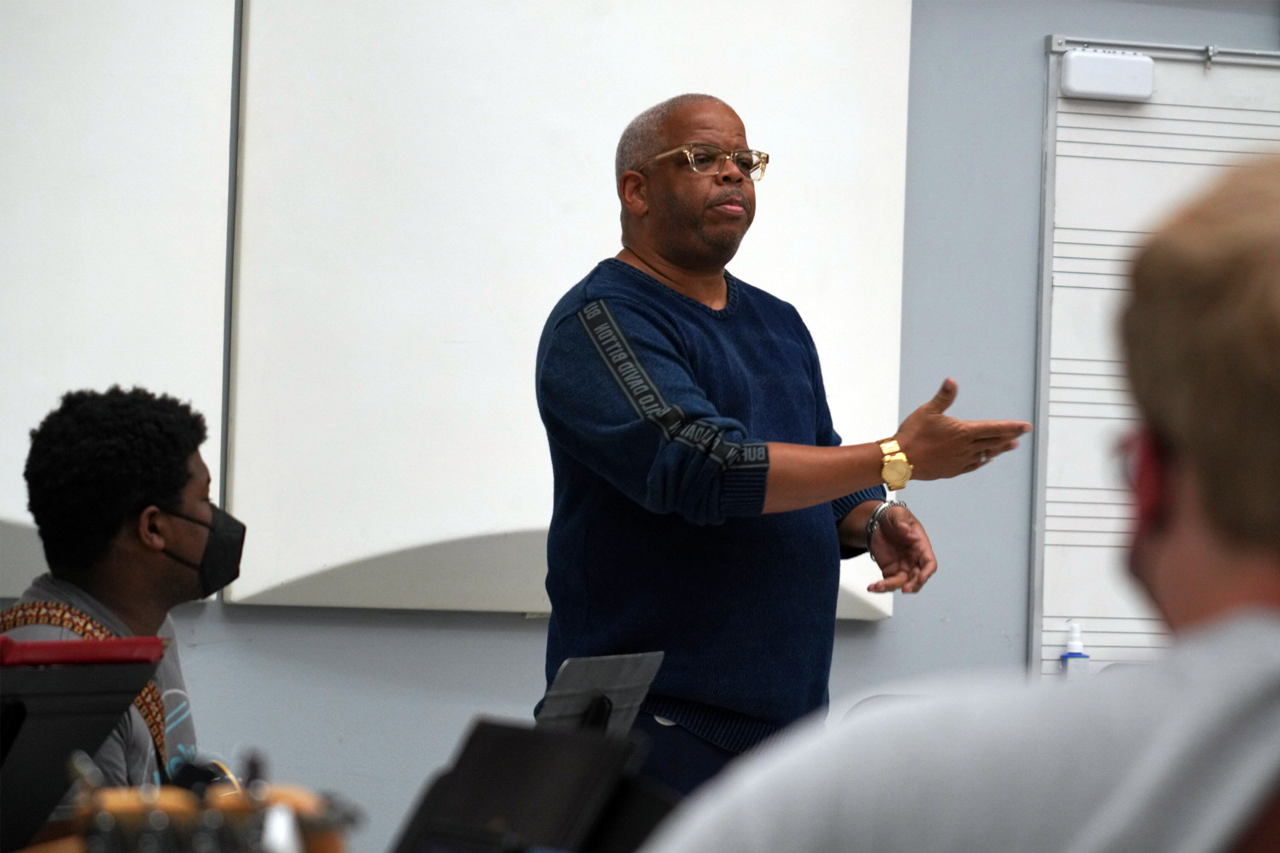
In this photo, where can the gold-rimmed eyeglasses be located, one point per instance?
(710, 159)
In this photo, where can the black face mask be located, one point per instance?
(220, 563)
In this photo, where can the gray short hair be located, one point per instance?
(644, 138)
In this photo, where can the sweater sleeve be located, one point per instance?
(617, 393)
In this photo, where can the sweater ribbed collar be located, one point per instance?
(731, 300)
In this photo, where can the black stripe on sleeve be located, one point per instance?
(621, 362)
(647, 401)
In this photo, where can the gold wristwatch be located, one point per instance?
(896, 470)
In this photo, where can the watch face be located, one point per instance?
(896, 471)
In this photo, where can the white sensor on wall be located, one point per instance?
(1111, 75)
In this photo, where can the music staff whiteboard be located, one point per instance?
(1113, 170)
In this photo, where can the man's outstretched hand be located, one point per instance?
(902, 551)
(939, 446)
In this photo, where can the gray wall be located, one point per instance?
(971, 301)
(369, 703)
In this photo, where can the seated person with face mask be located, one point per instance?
(120, 497)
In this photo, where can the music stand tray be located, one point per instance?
(598, 692)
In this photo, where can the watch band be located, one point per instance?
(874, 522)
(895, 469)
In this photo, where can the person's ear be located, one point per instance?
(633, 191)
(1151, 482)
(150, 527)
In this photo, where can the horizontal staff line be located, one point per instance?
(1093, 402)
(1088, 518)
(1129, 639)
(1094, 417)
(1151, 619)
(1070, 373)
(1151, 626)
(1115, 538)
(1099, 230)
(1090, 534)
(1109, 655)
(1155, 623)
(1088, 272)
(1158, 147)
(1082, 376)
(1093, 490)
(1085, 374)
(1127, 121)
(1098, 245)
(1181, 107)
(1144, 160)
(1159, 133)
(1184, 119)
(1048, 529)
(1118, 543)
(1121, 640)
(1097, 360)
(1054, 506)
(1155, 641)
(1189, 121)
(1058, 257)
(1090, 489)
(1153, 632)
(1118, 640)
(1096, 402)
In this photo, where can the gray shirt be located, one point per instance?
(128, 756)
(1173, 756)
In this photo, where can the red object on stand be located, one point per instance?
(52, 652)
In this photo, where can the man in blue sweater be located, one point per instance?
(702, 499)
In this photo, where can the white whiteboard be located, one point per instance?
(113, 218)
(1114, 170)
(421, 182)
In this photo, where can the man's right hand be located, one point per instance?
(938, 446)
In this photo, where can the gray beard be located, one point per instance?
(718, 248)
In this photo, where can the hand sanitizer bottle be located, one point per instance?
(1074, 663)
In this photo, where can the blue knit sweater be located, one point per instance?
(657, 410)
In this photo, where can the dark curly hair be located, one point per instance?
(97, 461)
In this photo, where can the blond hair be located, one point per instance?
(1201, 334)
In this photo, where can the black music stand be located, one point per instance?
(49, 710)
(598, 693)
(513, 788)
(567, 784)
